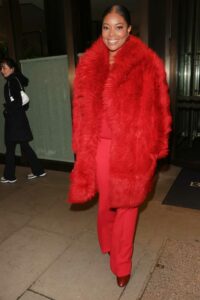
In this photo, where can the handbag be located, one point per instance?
(25, 97)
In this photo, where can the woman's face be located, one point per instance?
(115, 31)
(6, 70)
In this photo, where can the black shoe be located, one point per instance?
(32, 176)
(4, 180)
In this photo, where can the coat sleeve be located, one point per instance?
(162, 112)
(14, 91)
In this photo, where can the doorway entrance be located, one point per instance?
(187, 103)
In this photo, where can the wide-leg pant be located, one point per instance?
(116, 227)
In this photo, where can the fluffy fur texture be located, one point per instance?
(135, 97)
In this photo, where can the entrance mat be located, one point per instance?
(185, 191)
(176, 275)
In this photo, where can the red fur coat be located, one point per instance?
(136, 102)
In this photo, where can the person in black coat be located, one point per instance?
(17, 128)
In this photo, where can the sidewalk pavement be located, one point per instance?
(49, 250)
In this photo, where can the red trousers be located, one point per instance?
(116, 227)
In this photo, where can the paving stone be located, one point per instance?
(23, 257)
(82, 272)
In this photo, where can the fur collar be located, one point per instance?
(132, 53)
(95, 62)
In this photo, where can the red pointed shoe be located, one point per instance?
(123, 280)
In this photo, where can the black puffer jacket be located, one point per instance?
(17, 127)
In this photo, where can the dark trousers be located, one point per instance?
(9, 170)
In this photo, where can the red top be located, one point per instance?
(105, 131)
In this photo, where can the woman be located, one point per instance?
(17, 128)
(121, 124)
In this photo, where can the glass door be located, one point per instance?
(187, 127)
